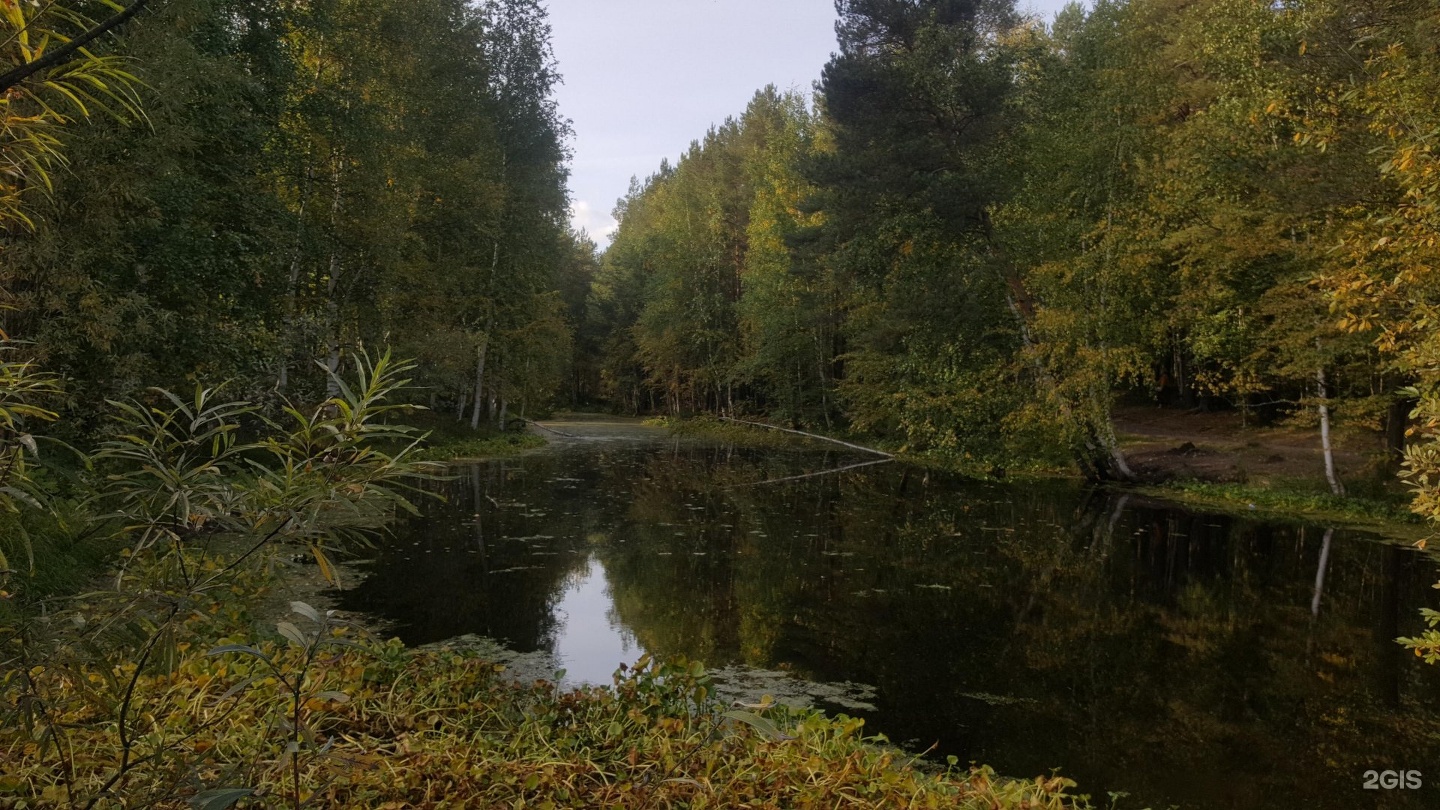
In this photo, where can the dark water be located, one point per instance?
(1185, 659)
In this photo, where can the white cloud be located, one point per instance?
(600, 226)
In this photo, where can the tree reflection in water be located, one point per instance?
(1183, 658)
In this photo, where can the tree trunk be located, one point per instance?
(824, 382)
(332, 317)
(1099, 456)
(292, 291)
(1330, 475)
(1397, 422)
(1106, 439)
(1182, 391)
(480, 353)
(332, 288)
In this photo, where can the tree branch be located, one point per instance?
(64, 52)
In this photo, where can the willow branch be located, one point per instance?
(64, 52)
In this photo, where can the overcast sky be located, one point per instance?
(644, 78)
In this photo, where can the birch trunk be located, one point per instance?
(1102, 457)
(859, 447)
(484, 348)
(1336, 486)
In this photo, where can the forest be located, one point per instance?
(263, 185)
(983, 231)
(252, 250)
(980, 233)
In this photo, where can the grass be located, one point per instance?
(502, 445)
(1284, 498)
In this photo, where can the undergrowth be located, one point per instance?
(386, 727)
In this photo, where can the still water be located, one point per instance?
(1184, 659)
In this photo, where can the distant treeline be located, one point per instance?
(986, 229)
(294, 182)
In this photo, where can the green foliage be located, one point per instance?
(202, 515)
(700, 301)
(35, 112)
(988, 230)
(308, 184)
(23, 389)
(1427, 644)
(1384, 279)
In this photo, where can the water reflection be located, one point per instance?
(589, 641)
(1182, 658)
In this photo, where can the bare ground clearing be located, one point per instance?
(1166, 444)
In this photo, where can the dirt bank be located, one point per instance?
(1165, 444)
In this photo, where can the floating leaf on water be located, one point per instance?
(996, 700)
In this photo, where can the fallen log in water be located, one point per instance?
(549, 430)
(810, 436)
(816, 474)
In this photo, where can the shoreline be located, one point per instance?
(1285, 499)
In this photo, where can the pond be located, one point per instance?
(1180, 658)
